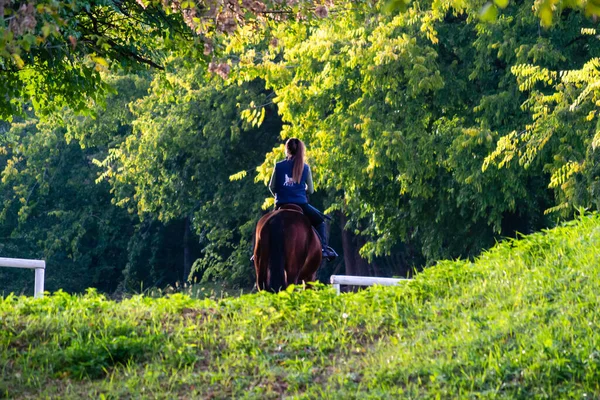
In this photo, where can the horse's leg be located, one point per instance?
(261, 262)
(293, 258)
(312, 261)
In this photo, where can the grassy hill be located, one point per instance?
(520, 322)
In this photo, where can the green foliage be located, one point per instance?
(562, 103)
(59, 206)
(399, 113)
(517, 322)
(187, 139)
(403, 114)
(52, 53)
(155, 256)
(52, 210)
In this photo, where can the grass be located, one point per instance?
(212, 290)
(520, 322)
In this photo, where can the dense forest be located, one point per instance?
(137, 138)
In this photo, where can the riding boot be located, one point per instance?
(328, 253)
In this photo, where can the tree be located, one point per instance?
(52, 51)
(564, 129)
(51, 209)
(400, 111)
(188, 139)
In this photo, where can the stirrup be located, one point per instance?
(329, 254)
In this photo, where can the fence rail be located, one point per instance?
(338, 280)
(38, 265)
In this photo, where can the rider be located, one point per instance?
(290, 181)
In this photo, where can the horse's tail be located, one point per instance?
(276, 254)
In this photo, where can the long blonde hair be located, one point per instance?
(296, 149)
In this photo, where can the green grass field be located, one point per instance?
(520, 322)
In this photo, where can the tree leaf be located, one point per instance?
(18, 60)
(488, 13)
(501, 3)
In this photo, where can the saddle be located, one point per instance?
(297, 208)
(288, 207)
(328, 253)
(291, 207)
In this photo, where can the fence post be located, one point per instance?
(336, 286)
(39, 282)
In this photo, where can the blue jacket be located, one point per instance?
(285, 190)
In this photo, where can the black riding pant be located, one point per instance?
(312, 213)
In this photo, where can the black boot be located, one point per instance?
(328, 253)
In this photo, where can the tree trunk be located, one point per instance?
(187, 259)
(376, 269)
(351, 243)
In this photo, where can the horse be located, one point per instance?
(287, 250)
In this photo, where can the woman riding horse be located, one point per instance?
(287, 248)
(290, 181)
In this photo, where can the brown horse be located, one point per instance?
(287, 249)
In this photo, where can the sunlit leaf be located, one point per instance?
(238, 176)
(501, 3)
(268, 203)
(489, 12)
(392, 6)
(18, 60)
(99, 60)
(545, 15)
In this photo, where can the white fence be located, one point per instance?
(337, 280)
(38, 265)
